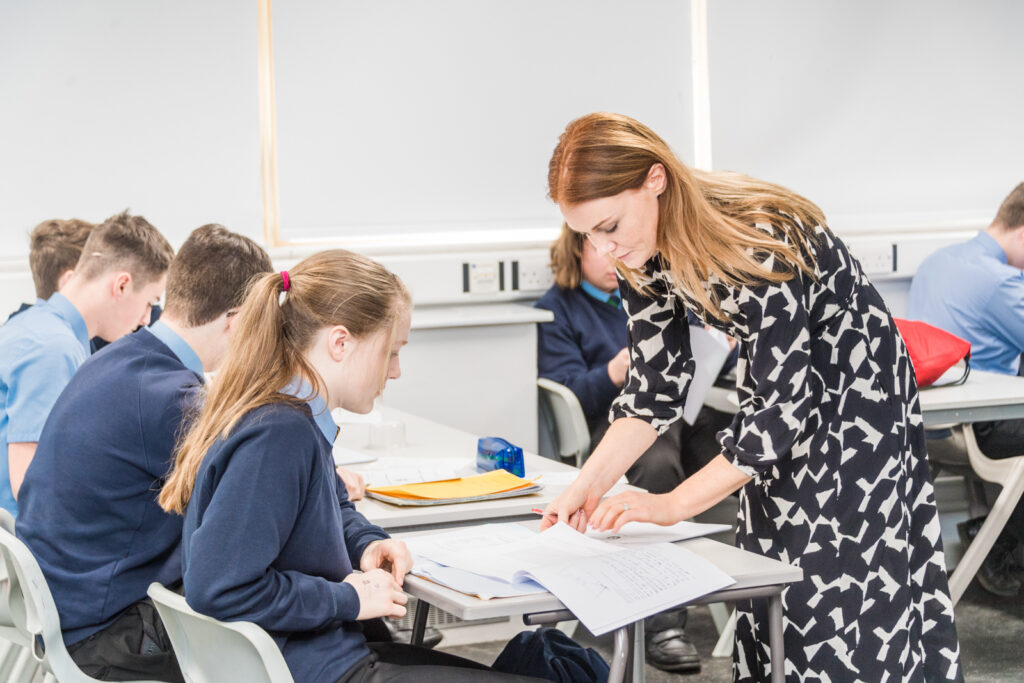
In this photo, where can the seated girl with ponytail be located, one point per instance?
(270, 535)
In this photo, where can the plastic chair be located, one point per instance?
(17, 665)
(572, 435)
(28, 615)
(1008, 473)
(212, 651)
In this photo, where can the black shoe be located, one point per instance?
(996, 573)
(667, 646)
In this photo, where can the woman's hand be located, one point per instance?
(389, 555)
(573, 506)
(379, 595)
(354, 483)
(638, 506)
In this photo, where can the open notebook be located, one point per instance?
(488, 486)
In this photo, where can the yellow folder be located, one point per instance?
(496, 481)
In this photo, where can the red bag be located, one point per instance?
(933, 351)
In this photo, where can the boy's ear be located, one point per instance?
(120, 283)
(64, 277)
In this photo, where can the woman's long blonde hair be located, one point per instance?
(706, 220)
(267, 348)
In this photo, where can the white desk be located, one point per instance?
(756, 577)
(427, 439)
(984, 396)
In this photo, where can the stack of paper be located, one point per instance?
(496, 484)
(604, 585)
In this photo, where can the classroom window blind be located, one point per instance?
(881, 112)
(404, 116)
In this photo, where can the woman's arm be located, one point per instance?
(625, 441)
(709, 485)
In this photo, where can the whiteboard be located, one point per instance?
(884, 113)
(406, 116)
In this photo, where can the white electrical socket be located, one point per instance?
(876, 258)
(534, 276)
(483, 277)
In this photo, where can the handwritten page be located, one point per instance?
(410, 475)
(605, 585)
(710, 348)
(609, 591)
(644, 533)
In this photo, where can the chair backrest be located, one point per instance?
(211, 651)
(27, 610)
(571, 431)
(995, 471)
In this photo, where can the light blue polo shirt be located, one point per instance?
(40, 350)
(969, 289)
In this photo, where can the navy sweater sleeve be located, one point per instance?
(359, 532)
(560, 359)
(253, 503)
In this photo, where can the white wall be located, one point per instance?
(409, 119)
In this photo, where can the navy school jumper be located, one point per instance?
(87, 505)
(270, 535)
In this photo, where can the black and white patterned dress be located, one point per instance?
(829, 427)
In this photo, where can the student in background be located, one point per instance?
(88, 508)
(269, 533)
(118, 278)
(827, 449)
(584, 348)
(975, 290)
(54, 248)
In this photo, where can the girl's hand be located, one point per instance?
(637, 506)
(379, 595)
(389, 555)
(354, 483)
(573, 506)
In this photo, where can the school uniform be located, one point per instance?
(269, 537)
(24, 307)
(88, 503)
(40, 350)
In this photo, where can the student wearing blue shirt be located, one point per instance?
(270, 535)
(54, 248)
(88, 503)
(976, 291)
(119, 276)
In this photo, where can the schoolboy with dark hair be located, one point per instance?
(88, 503)
(117, 279)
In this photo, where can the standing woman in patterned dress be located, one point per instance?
(827, 448)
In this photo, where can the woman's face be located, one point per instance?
(370, 363)
(623, 226)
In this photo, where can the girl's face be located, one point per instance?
(369, 362)
(598, 270)
(623, 226)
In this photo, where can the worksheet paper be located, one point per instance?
(709, 348)
(348, 456)
(645, 533)
(605, 585)
(398, 471)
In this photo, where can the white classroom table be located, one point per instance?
(756, 577)
(427, 439)
(984, 396)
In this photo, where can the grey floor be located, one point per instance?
(991, 639)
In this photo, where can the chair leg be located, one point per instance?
(727, 640)
(990, 530)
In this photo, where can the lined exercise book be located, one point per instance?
(488, 486)
(605, 585)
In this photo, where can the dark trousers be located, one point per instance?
(676, 454)
(1004, 439)
(400, 663)
(134, 646)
